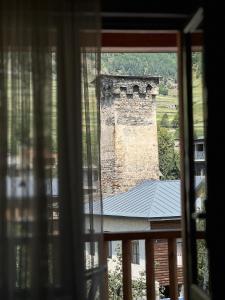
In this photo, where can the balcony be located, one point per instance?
(150, 237)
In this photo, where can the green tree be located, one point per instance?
(175, 122)
(202, 253)
(163, 64)
(169, 161)
(163, 90)
(202, 260)
(197, 63)
(165, 121)
(177, 134)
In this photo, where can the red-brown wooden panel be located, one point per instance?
(153, 40)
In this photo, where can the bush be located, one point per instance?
(165, 121)
(163, 90)
(169, 159)
(175, 122)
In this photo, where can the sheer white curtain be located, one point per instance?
(49, 150)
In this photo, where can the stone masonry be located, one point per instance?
(129, 146)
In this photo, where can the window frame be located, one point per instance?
(135, 252)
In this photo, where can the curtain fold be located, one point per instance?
(49, 150)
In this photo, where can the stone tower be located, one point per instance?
(129, 146)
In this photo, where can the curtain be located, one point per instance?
(50, 198)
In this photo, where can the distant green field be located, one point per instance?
(164, 107)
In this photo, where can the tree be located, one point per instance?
(202, 253)
(163, 90)
(165, 121)
(163, 64)
(169, 161)
(202, 259)
(175, 122)
(177, 134)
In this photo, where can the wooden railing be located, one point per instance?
(126, 237)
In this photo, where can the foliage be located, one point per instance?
(163, 90)
(143, 64)
(197, 63)
(177, 134)
(202, 259)
(165, 121)
(115, 277)
(169, 161)
(115, 280)
(138, 285)
(175, 122)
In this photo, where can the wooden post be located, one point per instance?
(150, 269)
(126, 266)
(172, 255)
(103, 258)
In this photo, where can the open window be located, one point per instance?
(191, 139)
(195, 191)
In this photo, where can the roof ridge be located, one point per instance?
(153, 198)
(169, 180)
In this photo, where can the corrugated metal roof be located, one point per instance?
(150, 199)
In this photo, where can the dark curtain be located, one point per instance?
(50, 238)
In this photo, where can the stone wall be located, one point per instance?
(129, 146)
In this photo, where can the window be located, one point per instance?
(136, 89)
(109, 249)
(135, 253)
(179, 253)
(200, 147)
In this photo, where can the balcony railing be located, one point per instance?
(150, 237)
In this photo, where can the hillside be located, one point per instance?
(165, 65)
(157, 64)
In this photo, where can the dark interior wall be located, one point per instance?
(143, 6)
(158, 15)
(214, 76)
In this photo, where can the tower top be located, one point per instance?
(119, 86)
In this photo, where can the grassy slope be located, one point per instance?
(164, 101)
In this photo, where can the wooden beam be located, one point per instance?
(103, 255)
(143, 235)
(124, 39)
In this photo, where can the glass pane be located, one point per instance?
(199, 157)
(198, 129)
